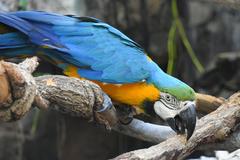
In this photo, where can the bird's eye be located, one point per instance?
(169, 101)
(168, 98)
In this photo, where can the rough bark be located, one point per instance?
(71, 95)
(231, 143)
(214, 127)
(4, 86)
(23, 89)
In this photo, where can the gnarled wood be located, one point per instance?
(23, 91)
(4, 87)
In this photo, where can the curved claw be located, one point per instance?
(107, 104)
(126, 120)
(107, 114)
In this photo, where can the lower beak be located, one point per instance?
(185, 121)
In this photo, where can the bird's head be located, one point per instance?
(180, 115)
(176, 104)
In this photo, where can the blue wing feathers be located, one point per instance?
(36, 34)
(44, 17)
(100, 51)
(12, 40)
(20, 51)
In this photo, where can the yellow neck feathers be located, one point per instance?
(133, 94)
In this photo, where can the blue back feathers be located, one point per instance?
(100, 51)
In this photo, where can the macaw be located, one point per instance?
(88, 48)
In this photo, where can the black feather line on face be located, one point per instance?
(147, 106)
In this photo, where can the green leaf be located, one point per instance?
(177, 25)
(171, 46)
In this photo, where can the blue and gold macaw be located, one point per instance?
(88, 48)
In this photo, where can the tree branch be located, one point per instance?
(145, 131)
(4, 86)
(206, 103)
(22, 87)
(77, 98)
(84, 98)
(215, 126)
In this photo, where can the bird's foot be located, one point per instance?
(107, 104)
(106, 114)
(125, 114)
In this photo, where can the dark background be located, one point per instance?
(214, 34)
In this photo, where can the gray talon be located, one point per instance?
(107, 104)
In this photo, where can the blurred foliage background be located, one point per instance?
(195, 41)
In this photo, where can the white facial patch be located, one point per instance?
(163, 111)
(168, 106)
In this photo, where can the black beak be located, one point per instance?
(185, 121)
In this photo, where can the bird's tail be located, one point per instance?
(19, 37)
(14, 43)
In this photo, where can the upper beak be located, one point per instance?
(185, 121)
